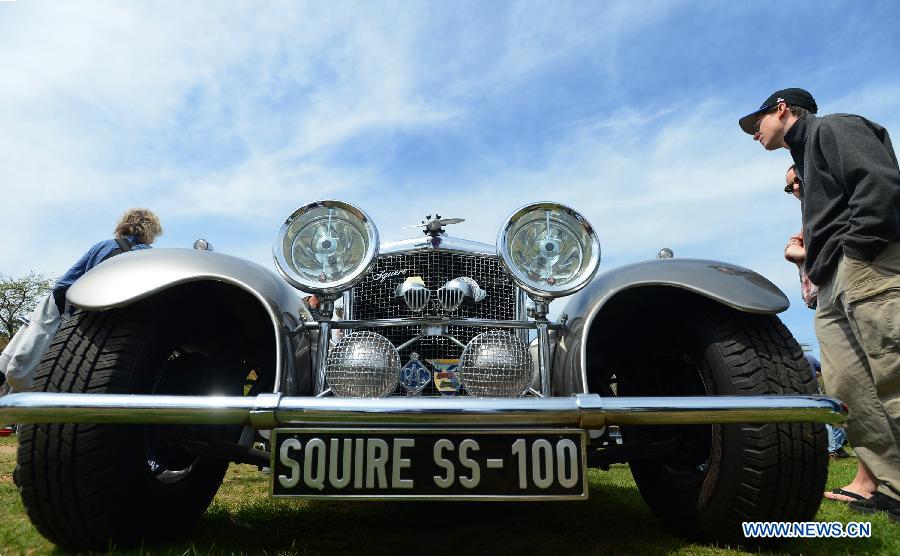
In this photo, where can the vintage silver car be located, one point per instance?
(443, 379)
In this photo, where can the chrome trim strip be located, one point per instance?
(692, 410)
(587, 411)
(447, 243)
(454, 340)
(410, 342)
(521, 314)
(324, 327)
(348, 305)
(262, 416)
(544, 356)
(433, 321)
(45, 407)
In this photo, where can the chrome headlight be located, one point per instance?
(548, 249)
(495, 364)
(363, 364)
(326, 247)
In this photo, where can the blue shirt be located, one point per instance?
(813, 362)
(92, 258)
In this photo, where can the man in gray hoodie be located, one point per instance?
(850, 198)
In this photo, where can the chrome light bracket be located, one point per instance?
(322, 348)
(540, 309)
(544, 356)
(326, 310)
(539, 312)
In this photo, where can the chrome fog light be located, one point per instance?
(495, 364)
(363, 365)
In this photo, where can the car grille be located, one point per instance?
(373, 298)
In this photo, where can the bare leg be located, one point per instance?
(863, 484)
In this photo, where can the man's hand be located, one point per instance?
(795, 252)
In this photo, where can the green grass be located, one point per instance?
(243, 520)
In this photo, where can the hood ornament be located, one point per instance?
(435, 226)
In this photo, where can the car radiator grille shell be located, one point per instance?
(373, 298)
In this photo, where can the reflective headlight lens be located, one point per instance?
(549, 249)
(325, 247)
(363, 364)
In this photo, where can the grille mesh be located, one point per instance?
(373, 298)
(363, 364)
(495, 363)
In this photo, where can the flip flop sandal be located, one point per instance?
(847, 493)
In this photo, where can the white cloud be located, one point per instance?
(697, 180)
(239, 113)
(96, 93)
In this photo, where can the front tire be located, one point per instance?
(89, 485)
(723, 475)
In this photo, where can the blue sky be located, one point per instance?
(224, 117)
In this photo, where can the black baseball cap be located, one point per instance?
(791, 97)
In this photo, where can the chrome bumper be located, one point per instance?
(586, 411)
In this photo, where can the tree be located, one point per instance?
(18, 297)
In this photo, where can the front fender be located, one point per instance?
(731, 285)
(131, 277)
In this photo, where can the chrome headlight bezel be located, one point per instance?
(364, 225)
(546, 290)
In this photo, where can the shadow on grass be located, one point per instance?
(614, 521)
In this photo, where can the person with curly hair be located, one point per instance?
(138, 228)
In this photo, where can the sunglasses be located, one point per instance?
(766, 111)
(789, 188)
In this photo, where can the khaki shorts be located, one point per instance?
(858, 327)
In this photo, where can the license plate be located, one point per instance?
(546, 464)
